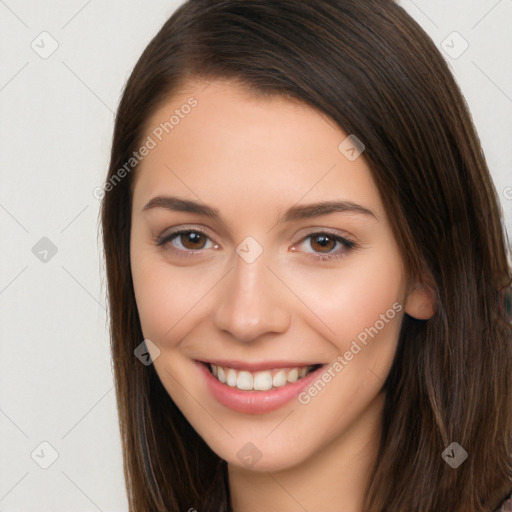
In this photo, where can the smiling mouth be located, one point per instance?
(264, 380)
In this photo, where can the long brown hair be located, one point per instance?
(372, 69)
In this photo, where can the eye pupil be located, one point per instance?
(192, 238)
(323, 241)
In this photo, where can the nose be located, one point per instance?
(252, 302)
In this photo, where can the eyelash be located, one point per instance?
(347, 243)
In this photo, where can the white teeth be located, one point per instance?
(244, 381)
(279, 379)
(259, 381)
(262, 381)
(231, 378)
(293, 375)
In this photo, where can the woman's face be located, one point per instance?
(276, 257)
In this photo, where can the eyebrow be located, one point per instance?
(294, 213)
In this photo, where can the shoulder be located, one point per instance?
(506, 506)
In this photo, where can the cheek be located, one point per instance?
(344, 301)
(362, 305)
(168, 298)
(157, 296)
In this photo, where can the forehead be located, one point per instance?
(221, 141)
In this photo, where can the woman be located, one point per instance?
(299, 222)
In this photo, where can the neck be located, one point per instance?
(334, 478)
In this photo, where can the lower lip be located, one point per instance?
(255, 402)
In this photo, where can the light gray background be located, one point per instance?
(56, 120)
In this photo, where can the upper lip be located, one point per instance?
(254, 367)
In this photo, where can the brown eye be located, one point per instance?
(193, 240)
(186, 242)
(324, 246)
(323, 243)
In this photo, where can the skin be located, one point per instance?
(252, 158)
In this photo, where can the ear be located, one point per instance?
(420, 302)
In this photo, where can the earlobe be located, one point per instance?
(420, 302)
